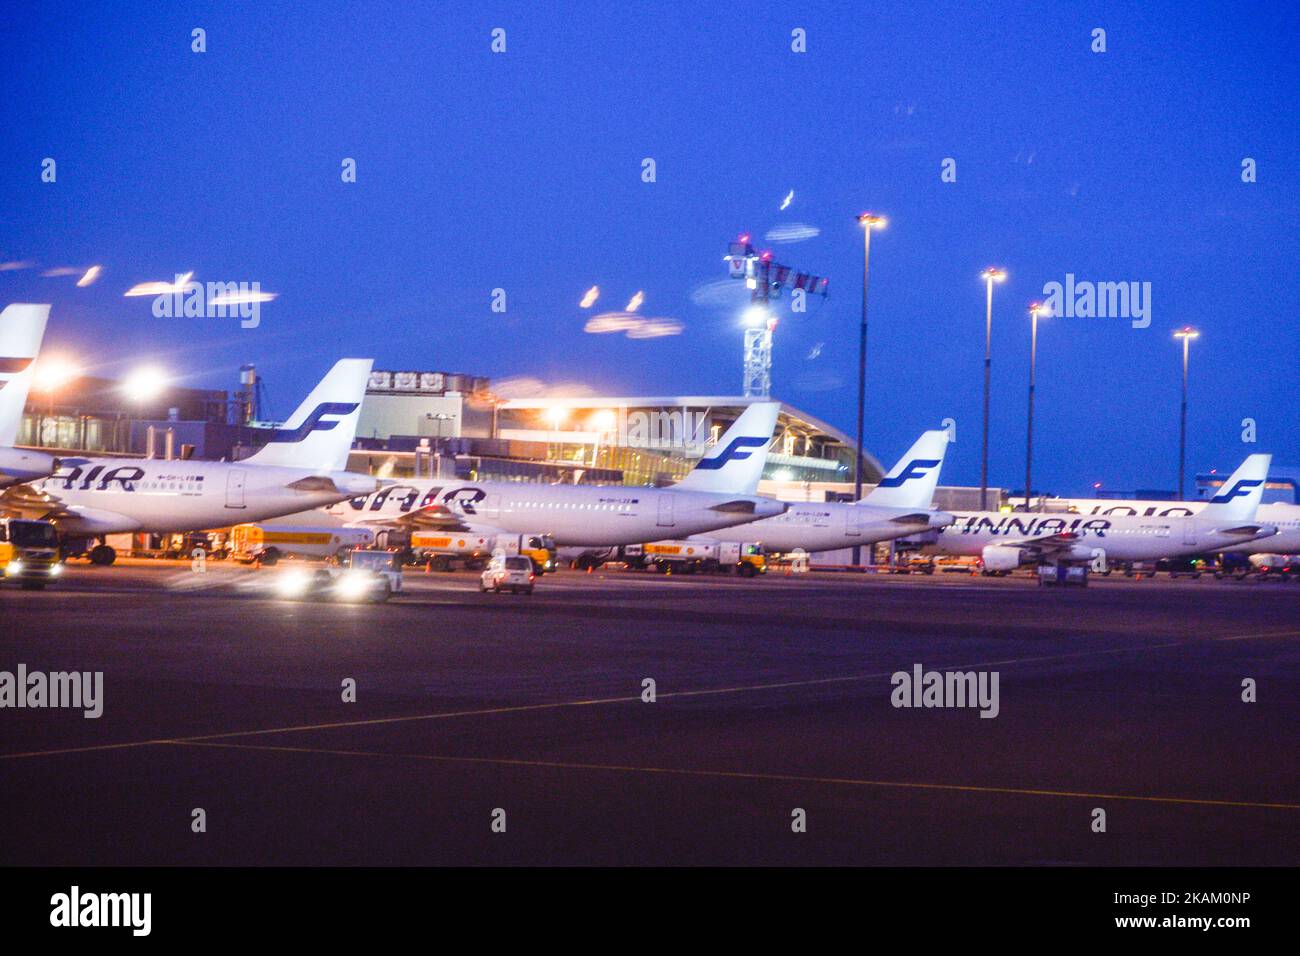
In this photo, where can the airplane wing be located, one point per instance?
(1045, 544)
(24, 501)
(1250, 531)
(918, 517)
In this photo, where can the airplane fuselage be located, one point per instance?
(830, 525)
(1122, 538)
(112, 495)
(572, 514)
(1284, 517)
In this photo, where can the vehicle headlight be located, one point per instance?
(293, 584)
(353, 584)
(15, 567)
(56, 569)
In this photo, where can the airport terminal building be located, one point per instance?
(422, 423)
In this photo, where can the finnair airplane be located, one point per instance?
(302, 466)
(719, 492)
(22, 326)
(900, 505)
(1285, 517)
(1005, 541)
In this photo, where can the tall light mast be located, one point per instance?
(765, 280)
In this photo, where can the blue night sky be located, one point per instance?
(522, 171)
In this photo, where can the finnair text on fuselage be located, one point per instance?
(1028, 525)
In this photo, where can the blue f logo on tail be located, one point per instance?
(313, 423)
(1239, 490)
(916, 468)
(736, 450)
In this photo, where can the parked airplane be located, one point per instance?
(22, 326)
(1004, 541)
(717, 493)
(900, 505)
(302, 466)
(1285, 517)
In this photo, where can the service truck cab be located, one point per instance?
(29, 552)
(539, 548)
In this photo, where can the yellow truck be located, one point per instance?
(441, 549)
(269, 543)
(29, 552)
(691, 555)
(539, 548)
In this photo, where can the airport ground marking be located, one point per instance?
(598, 701)
(748, 775)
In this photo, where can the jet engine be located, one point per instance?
(18, 464)
(999, 557)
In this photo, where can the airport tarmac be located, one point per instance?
(772, 694)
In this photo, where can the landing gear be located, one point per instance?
(102, 554)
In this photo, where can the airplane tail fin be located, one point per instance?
(911, 482)
(318, 435)
(1238, 498)
(734, 465)
(22, 326)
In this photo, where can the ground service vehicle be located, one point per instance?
(509, 573)
(691, 555)
(363, 575)
(440, 549)
(1190, 567)
(269, 543)
(538, 548)
(1064, 575)
(1276, 567)
(29, 552)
